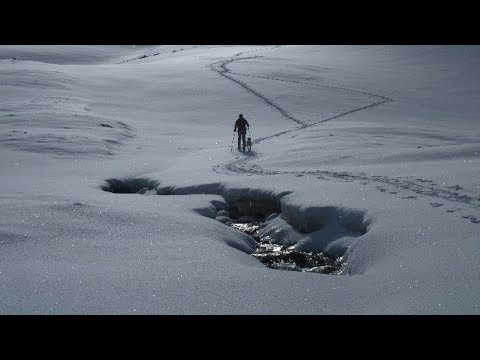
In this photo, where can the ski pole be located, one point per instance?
(231, 145)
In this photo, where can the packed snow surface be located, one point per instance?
(117, 161)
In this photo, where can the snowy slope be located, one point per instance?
(368, 152)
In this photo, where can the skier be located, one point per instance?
(242, 126)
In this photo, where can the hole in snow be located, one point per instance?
(129, 186)
(289, 236)
(275, 256)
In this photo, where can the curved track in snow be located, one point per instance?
(221, 69)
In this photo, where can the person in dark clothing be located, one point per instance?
(242, 125)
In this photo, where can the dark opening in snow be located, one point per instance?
(283, 257)
(128, 185)
(248, 215)
(249, 211)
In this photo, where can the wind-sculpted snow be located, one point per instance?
(50, 133)
(54, 119)
(65, 54)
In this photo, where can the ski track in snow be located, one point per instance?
(148, 54)
(222, 70)
(416, 185)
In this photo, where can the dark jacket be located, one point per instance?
(241, 124)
